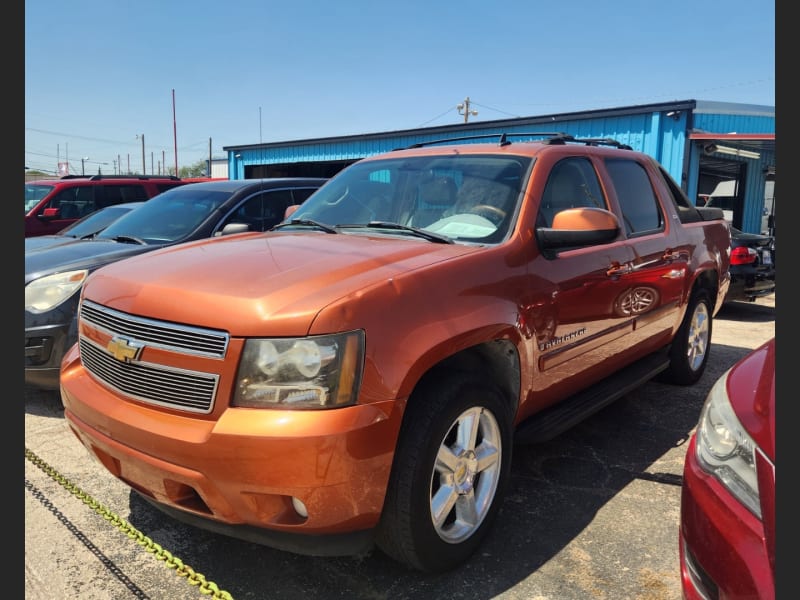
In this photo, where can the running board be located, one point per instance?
(556, 419)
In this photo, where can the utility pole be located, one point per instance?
(467, 112)
(175, 132)
(209, 158)
(144, 163)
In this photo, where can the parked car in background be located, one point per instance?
(54, 276)
(84, 228)
(752, 267)
(52, 204)
(727, 521)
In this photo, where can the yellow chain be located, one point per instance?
(207, 588)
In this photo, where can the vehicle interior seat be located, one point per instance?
(483, 191)
(434, 197)
(563, 190)
(371, 199)
(69, 210)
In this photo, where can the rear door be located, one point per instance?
(655, 279)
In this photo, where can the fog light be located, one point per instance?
(300, 507)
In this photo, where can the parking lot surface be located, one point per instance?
(592, 514)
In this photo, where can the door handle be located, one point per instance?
(676, 255)
(616, 269)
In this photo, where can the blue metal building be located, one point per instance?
(699, 143)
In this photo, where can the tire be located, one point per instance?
(450, 470)
(690, 349)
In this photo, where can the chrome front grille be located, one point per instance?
(155, 384)
(163, 385)
(169, 336)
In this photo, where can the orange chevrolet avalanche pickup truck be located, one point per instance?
(358, 376)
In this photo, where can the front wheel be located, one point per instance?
(450, 469)
(689, 351)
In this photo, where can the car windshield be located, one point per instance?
(168, 217)
(95, 222)
(34, 193)
(459, 197)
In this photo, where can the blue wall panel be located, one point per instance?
(662, 131)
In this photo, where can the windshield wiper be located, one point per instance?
(428, 235)
(129, 239)
(307, 223)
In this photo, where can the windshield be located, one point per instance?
(34, 193)
(96, 221)
(168, 217)
(467, 198)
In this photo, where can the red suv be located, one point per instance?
(52, 204)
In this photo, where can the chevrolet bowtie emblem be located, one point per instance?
(124, 349)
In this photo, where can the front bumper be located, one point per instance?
(47, 338)
(722, 545)
(244, 473)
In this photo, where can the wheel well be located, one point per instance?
(707, 280)
(497, 360)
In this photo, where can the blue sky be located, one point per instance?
(99, 73)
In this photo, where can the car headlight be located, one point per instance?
(311, 372)
(724, 448)
(48, 292)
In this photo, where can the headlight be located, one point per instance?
(312, 372)
(48, 292)
(724, 448)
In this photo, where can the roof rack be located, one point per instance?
(99, 177)
(559, 137)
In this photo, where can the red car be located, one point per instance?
(727, 529)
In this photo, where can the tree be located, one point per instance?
(197, 169)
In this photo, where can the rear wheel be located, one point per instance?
(690, 348)
(450, 469)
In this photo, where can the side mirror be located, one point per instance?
(51, 213)
(576, 227)
(231, 228)
(290, 210)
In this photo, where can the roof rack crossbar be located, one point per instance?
(558, 137)
(101, 176)
(502, 138)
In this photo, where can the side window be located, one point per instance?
(85, 200)
(640, 209)
(572, 183)
(302, 194)
(116, 194)
(262, 211)
(73, 202)
(163, 187)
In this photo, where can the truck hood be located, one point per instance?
(257, 284)
(78, 254)
(44, 241)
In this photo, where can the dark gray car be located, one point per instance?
(54, 275)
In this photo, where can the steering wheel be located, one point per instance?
(494, 214)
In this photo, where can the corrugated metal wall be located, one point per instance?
(662, 131)
(653, 133)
